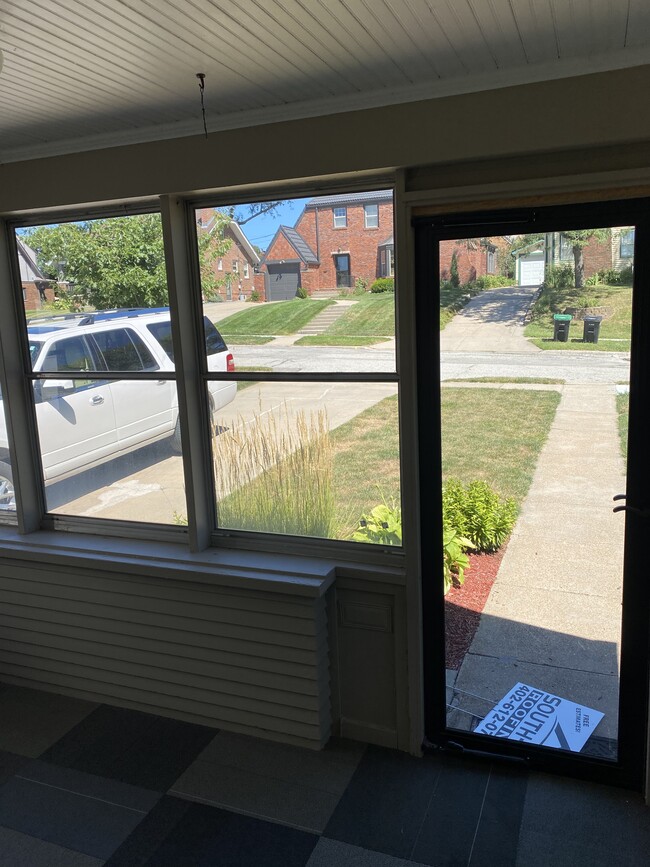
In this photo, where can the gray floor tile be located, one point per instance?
(569, 822)
(331, 853)
(257, 795)
(32, 720)
(329, 770)
(20, 850)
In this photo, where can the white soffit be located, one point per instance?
(82, 74)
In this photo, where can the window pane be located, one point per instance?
(309, 306)
(96, 300)
(309, 459)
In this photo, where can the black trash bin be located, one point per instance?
(561, 322)
(591, 329)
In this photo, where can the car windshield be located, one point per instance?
(34, 349)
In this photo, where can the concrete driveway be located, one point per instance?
(491, 322)
(148, 485)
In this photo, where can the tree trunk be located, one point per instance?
(579, 267)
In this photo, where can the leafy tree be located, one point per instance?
(120, 262)
(116, 262)
(579, 240)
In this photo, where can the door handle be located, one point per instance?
(161, 382)
(96, 400)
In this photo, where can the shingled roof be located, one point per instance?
(298, 243)
(351, 199)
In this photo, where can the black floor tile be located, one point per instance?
(500, 822)
(150, 834)
(132, 747)
(10, 764)
(207, 836)
(385, 803)
(449, 828)
(88, 825)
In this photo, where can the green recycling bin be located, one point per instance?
(591, 329)
(561, 322)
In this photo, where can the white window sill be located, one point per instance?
(226, 567)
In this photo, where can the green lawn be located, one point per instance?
(614, 331)
(452, 299)
(370, 320)
(541, 380)
(477, 426)
(512, 424)
(261, 323)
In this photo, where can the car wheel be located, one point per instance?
(176, 442)
(7, 492)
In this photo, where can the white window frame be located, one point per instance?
(179, 226)
(626, 242)
(235, 266)
(340, 219)
(220, 264)
(371, 217)
(246, 271)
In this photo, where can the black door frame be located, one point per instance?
(629, 770)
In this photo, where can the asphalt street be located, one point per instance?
(573, 366)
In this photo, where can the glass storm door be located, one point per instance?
(532, 390)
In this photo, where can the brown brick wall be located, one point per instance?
(32, 296)
(471, 263)
(240, 285)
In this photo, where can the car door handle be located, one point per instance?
(161, 382)
(96, 400)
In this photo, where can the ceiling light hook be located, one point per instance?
(201, 78)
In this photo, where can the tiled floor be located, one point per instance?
(83, 785)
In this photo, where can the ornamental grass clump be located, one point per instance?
(274, 474)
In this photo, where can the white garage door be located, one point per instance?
(531, 271)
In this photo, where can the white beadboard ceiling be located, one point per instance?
(81, 74)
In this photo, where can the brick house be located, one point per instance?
(617, 252)
(235, 271)
(36, 286)
(340, 239)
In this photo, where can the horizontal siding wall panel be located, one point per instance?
(244, 667)
(168, 621)
(264, 603)
(200, 609)
(241, 660)
(266, 657)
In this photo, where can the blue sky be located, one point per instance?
(261, 229)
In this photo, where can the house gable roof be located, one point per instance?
(302, 248)
(29, 270)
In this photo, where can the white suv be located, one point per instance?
(83, 423)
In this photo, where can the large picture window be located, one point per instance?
(309, 445)
(299, 428)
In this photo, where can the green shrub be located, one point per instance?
(559, 277)
(383, 284)
(492, 281)
(478, 513)
(454, 559)
(301, 292)
(626, 275)
(454, 278)
(255, 296)
(360, 286)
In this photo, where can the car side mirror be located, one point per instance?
(53, 387)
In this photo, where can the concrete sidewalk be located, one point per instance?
(553, 616)
(491, 322)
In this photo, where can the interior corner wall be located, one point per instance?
(509, 122)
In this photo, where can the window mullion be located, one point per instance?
(187, 335)
(17, 391)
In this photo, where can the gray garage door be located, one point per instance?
(282, 281)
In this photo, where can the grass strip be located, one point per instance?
(268, 320)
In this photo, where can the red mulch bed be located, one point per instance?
(463, 605)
